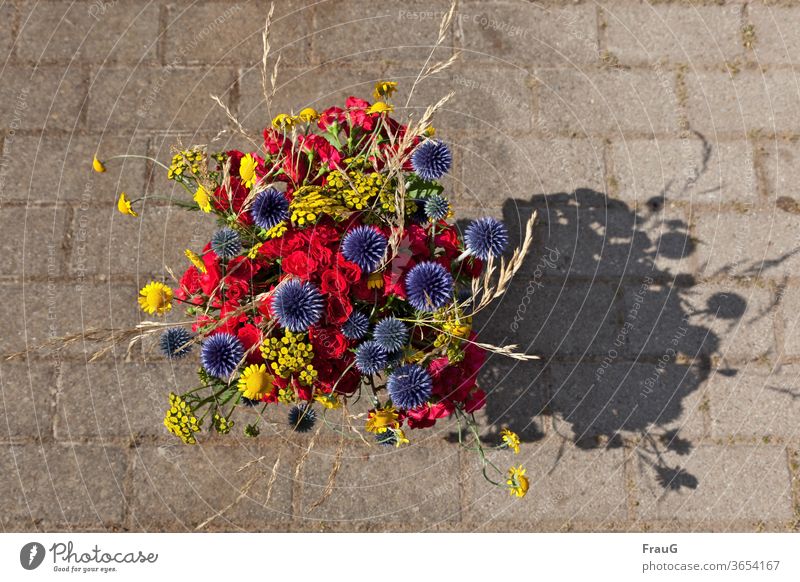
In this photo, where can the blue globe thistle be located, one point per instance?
(429, 286)
(391, 334)
(437, 207)
(175, 342)
(226, 243)
(221, 353)
(410, 386)
(302, 418)
(249, 401)
(486, 237)
(431, 160)
(371, 358)
(364, 246)
(269, 208)
(356, 326)
(297, 304)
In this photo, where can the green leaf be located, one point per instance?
(418, 188)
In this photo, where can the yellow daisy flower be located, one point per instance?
(255, 382)
(517, 481)
(283, 121)
(202, 199)
(381, 419)
(384, 89)
(510, 440)
(380, 107)
(98, 166)
(155, 297)
(195, 259)
(124, 205)
(247, 170)
(308, 115)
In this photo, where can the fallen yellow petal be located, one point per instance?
(98, 166)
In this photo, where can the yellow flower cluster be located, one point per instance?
(455, 327)
(191, 160)
(180, 420)
(288, 355)
(356, 189)
(222, 424)
(310, 202)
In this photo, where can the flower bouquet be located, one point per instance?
(335, 274)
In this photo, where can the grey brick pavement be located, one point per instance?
(657, 140)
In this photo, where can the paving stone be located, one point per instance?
(746, 102)
(151, 242)
(50, 96)
(495, 169)
(107, 400)
(594, 403)
(88, 32)
(34, 241)
(780, 162)
(7, 37)
(346, 31)
(720, 485)
(63, 484)
(776, 28)
(517, 396)
(747, 243)
(574, 319)
(43, 311)
(195, 32)
(68, 163)
(790, 315)
(527, 35)
(566, 484)
(380, 485)
(609, 102)
(755, 402)
(641, 33)
(691, 169)
(165, 98)
(496, 100)
(707, 319)
(177, 487)
(27, 401)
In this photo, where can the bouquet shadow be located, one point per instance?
(624, 333)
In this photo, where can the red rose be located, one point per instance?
(329, 117)
(338, 309)
(232, 199)
(251, 339)
(328, 342)
(350, 381)
(234, 289)
(300, 264)
(275, 142)
(351, 271)
(334, 282)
